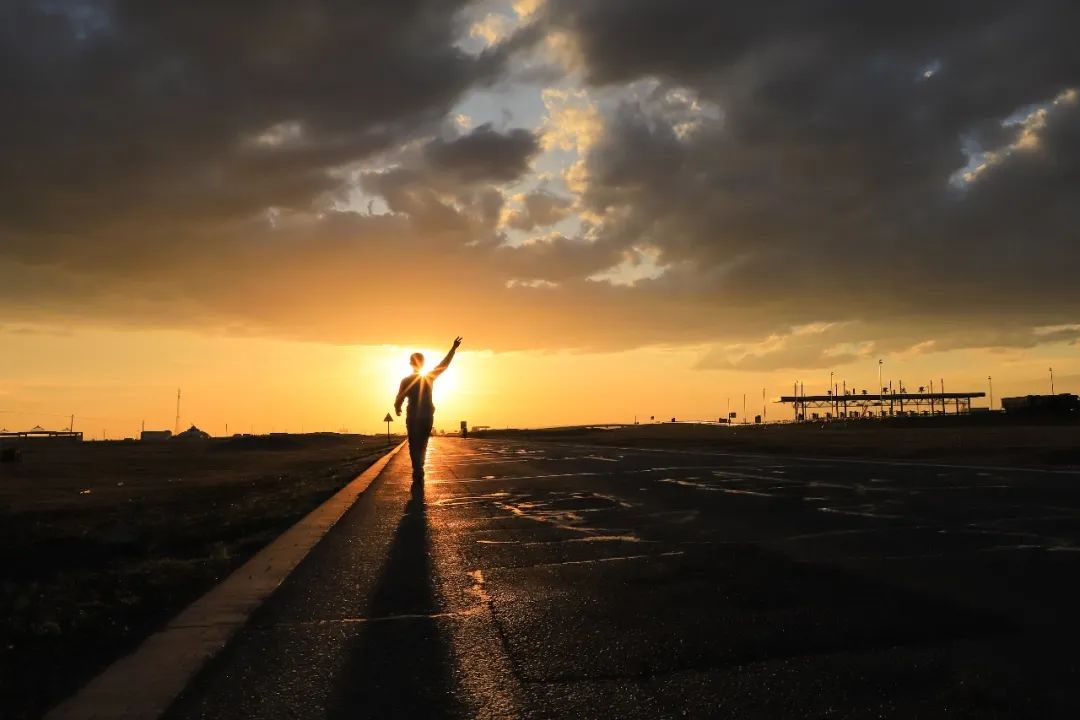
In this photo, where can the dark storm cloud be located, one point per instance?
(820, 188)
(203, 112)
(556, 258)
(484, 154)
(448, 184)
(224, 165)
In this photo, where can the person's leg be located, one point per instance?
(416, 444)
(424, 432)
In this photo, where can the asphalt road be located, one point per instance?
(544, 580)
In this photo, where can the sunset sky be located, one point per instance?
(634, 207)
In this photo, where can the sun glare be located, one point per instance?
(397, 364)
(447, 385)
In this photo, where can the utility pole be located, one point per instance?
(764, 409)
(881, 390)
(71, 424)
(176, 427)
(1051, 381)
(744, 408)
(832, 394)
(991, 381)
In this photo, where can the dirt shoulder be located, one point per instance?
(102, 543)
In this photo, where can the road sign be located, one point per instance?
(388, 419)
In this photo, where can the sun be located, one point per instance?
(446, 386)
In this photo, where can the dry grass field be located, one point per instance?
(103, 542)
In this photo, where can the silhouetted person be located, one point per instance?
(421, 413)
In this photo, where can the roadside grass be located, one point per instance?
(103, 543)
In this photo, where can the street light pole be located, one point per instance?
(1051, 381)
(991, 381)
(831, 393)
(881, 390)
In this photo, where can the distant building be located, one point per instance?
(39, 433)
(155, 435)
(193, 433)
(1060, 405)
(884, 404)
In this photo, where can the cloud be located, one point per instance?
(730, 172)
(539, 208)
(492, 28)
(829, 345)
(484, 154)
(817, 185)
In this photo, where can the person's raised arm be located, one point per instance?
(445, 363)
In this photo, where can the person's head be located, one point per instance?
(417, 361)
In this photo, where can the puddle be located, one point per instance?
(687, 483)
(565, 510)
(858, 513)
(736, 491)
(463, 500)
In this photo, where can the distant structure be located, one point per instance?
(193, 433)
(39, 433)
(155, 435)
(1059, 405)
(884, 404)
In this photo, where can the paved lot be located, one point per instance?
(543, 580)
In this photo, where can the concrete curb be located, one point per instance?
(142, 685)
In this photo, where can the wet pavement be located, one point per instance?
(546, 580)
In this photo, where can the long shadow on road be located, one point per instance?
(401, 664)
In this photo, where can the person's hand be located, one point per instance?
(397, 411)
(457, 342)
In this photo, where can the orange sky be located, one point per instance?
(113, 380)
(624, 208)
